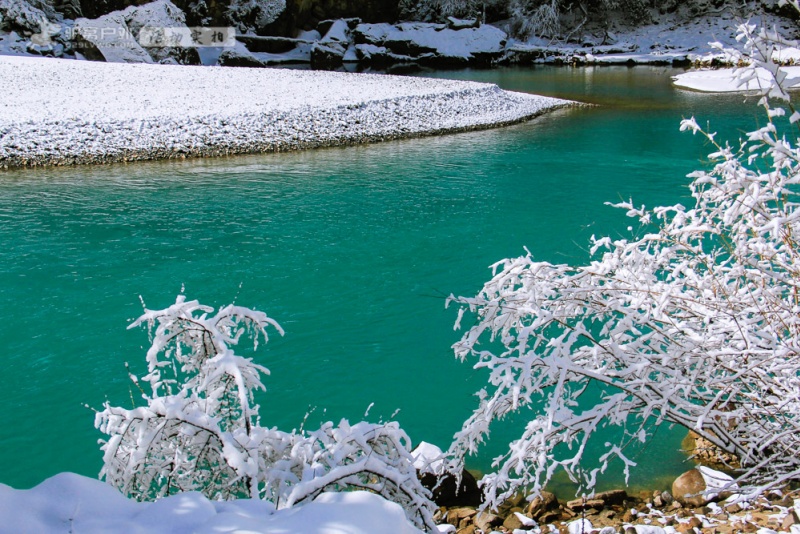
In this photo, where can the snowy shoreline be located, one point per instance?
(61, 112)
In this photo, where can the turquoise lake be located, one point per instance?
(352, 250)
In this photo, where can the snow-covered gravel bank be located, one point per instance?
(63, 112)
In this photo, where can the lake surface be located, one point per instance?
(353, 250)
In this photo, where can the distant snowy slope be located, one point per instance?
(59, 111)
(72, 503)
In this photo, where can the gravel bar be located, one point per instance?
(62, 112)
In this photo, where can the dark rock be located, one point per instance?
(97, 8)
(541, 504)
(269, 44)
(325, 26)
(23, 16)
(613, 497)
(379, 56)
(239, 57)
(549, 517)
(733, 508)
(70, 9)
(455, 516)
(486, 521)
(462, 24)
(578, 505)
(514, 522)
(327, 56)
(628, 516)
(445, 492)
(252, 16)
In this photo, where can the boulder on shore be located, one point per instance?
(702, 485)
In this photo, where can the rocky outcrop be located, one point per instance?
(253, 16)
(108, 38)
(136, 35)
(435, 45)
(240, 56)
(329, 52)
(706, 453)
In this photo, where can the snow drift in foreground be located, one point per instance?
(60, 112)
(727, 81)
(72, 503)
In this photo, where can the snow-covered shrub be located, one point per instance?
(200, 428)
(534, 18)
(439, 10)
(693, 320)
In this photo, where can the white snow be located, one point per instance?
(716, 480)
(579, 526)
(72, 503)
(60, 111)
(428, 458)
(726, 80)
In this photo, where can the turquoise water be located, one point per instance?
(352, 250)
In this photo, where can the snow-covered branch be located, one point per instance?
(200, 428)
(696, 323)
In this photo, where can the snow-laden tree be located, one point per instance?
(693, 320)
(199, 429)
(530, 18)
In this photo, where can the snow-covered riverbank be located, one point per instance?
(64, 112)
(71, 503)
